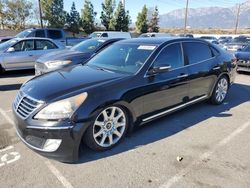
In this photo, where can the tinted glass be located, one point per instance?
(170, 55)
(44, 45)
(40, 33)
(26, 45)
(105, 35)
(88, 45)
(247, 48)
(55, 34)
(123, 58)
(197, 52)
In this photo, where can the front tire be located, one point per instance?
(220, 91)
(108, 128)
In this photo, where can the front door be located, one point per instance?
(22, 57)
(169, 89)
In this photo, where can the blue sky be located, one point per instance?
(134, 6)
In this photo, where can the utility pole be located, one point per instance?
(40, 13)
(186, 15)
(237, 19)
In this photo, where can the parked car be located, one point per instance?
(243, 59)
(110, 34)
(75, 55)
(211, 39)
(128, 83)
(225, 39)
(22, 53)
(55, 34)
(187, 35)
(237, 43)
(144, 35)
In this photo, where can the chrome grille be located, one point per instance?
(25, 105)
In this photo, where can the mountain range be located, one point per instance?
(208, 17)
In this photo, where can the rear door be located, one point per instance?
(22, 57)
(202, 65)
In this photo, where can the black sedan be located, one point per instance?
(130, 82)
(80, 53)
(243, 59)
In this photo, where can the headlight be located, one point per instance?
(61, 109)
(57, 63)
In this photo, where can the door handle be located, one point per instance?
(182, 76)
(216, 68)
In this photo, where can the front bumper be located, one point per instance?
(35, 136)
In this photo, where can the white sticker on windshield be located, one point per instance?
(144, 47)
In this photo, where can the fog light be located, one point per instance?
(51, 145)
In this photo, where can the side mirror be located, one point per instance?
(159, 69)
(11, 49)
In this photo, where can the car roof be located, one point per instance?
(158, 41)
(32, 38)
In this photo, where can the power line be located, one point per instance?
(237, 19)
(186, 15)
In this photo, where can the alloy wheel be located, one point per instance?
(109, 126)
(221, 90)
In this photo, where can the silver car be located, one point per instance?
(18, 53)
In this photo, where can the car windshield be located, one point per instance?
(88, 45)
(123, 58)
(246, 48)
(7, 44)
(23, 34)
(95, 35)
(240, 40)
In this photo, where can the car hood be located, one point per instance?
(64, 54)
(75, 79)
(242, 55)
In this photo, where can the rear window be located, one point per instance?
(55, 34)
(197, 52)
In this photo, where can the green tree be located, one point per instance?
(73, 20)
(154, 22)
(88, 17)
(142, 22)
(122, 18)
(107, 14)
(16, 13)
(53, 13)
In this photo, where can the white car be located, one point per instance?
(110, 34)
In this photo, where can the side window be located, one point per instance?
(26, 45)
(215, 52)
(170, 55)
(44, 45)
(40, 33)
(55, 34)
(105, 35)
(197, 52)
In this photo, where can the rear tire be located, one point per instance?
(220, 91)
(108, 128)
